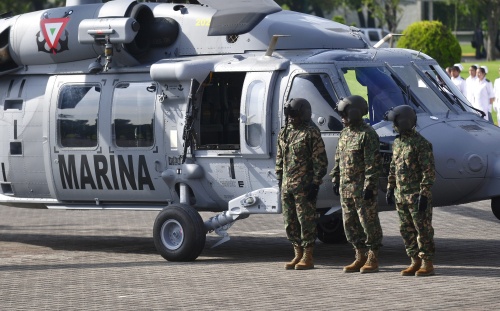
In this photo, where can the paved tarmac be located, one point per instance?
(106, 260)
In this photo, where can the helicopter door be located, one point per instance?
(103, 140)
(255, 115)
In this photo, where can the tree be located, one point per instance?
(386, 11)
(484, 11)
(316, 7)
(433, 39)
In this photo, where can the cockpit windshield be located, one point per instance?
(388, 86)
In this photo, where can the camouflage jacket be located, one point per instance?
(412, 167)
(357, 160)
(301, 157)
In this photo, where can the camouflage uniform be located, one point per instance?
(357, 167)
(300, 161)
(412, 174)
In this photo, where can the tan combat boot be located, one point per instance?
(371, 264)
(307, 259)
(359, 262)
(416, 262)
(298, 255)
(426, 269)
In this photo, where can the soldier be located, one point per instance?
(301, 163)
(411, 177)
(355, 178)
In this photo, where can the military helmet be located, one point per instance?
(404, 117)
(352, 108)
(298, 107)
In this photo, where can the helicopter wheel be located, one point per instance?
(179, 233)
(331, 229)
(495, 207)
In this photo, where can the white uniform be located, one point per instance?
(460, 83)
(496, 103)
(483, 92)
(469, 88)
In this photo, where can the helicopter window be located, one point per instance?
(459, 101)
(220, 111)
(255, 115)
(377, 86)
(318, 90)
(133, 114)
(77, 115)
(419, 86)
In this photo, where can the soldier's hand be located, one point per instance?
(422, 203)
(336, 188)
(367, 194)
(389, 197)
(313, 192)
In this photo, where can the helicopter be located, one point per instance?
(176, 107)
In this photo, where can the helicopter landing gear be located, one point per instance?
(331, 229)
(495, 207)
(179, 233)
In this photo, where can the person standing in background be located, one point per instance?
(483, 93)
(496, 103)
(470, 83)
(457, 79)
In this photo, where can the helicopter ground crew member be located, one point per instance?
(411, 176)
(355, 178)
(301, 163)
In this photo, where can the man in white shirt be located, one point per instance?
(470, 82)
(496, 103)
(457, 79)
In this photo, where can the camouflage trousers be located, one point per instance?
(299, 215)
(361, 223)
(416, 230)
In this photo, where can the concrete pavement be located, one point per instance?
(106, 260)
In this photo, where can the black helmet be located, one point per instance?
(404, 117)
(298, 107)
(352, 108)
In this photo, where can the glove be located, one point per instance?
(336, 189)
(367, 194)
(313, 192)
(389, 197)
(422, 203)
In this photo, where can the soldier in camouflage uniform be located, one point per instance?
(411, 177)
(355, 178)
(301, 163)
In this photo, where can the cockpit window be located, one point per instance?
(379, 89)
(318, 90)
(385, 87)
(419, 87)
(446, 87)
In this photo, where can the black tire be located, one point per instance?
(495, 207)
(179, 233)
(331, 229)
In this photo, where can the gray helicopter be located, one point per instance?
(176, 108)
